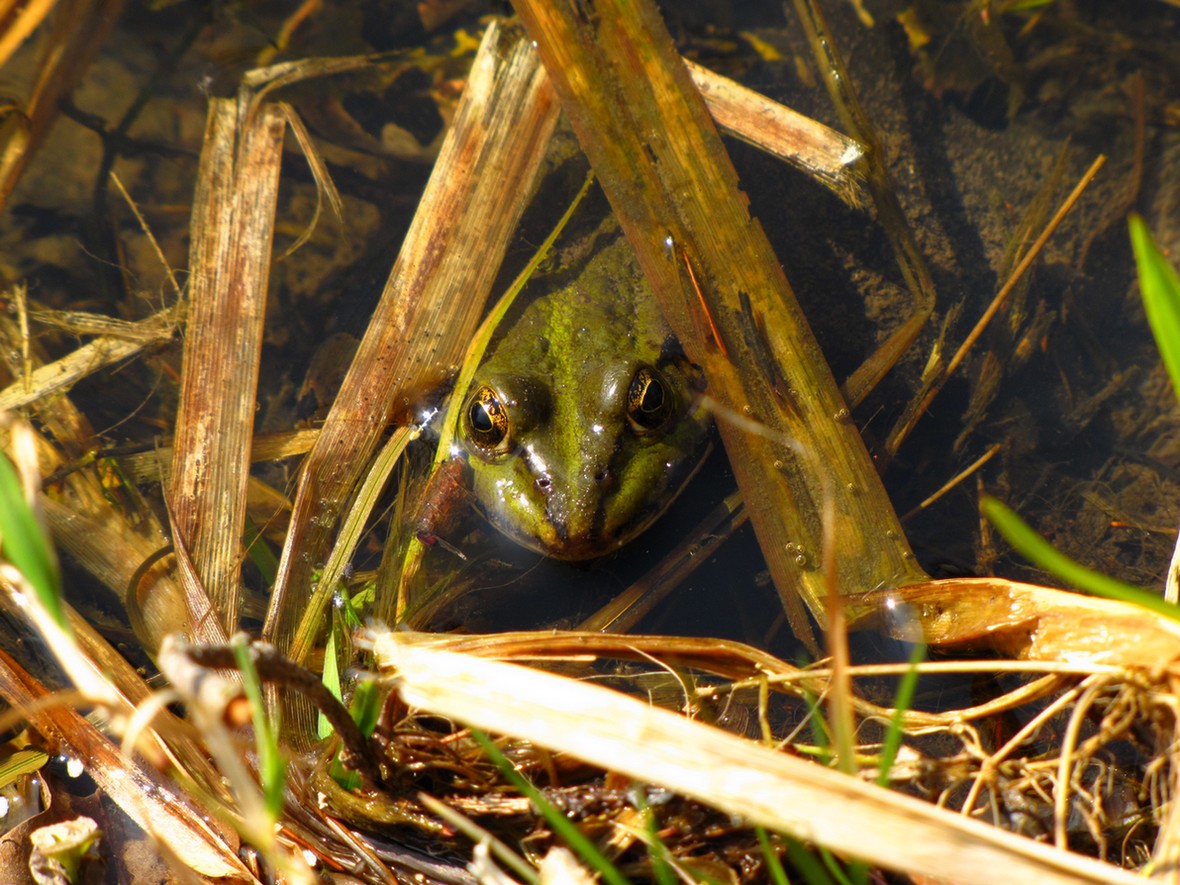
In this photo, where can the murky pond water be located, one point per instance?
(973, 121)
(987, 118)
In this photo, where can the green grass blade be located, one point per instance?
(774, 866)
(657, 851)
(1044, 555)
(821, 735)
(19, 764)
(364, 709)
(25, 544)
(330, 677)
(260, 553)
(272, 767)
(366, 705)
(558, 822)
(904, 700)
(836, 871)
(1160, 286)
(808, 864)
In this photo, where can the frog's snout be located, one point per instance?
(600, 480)
(573, 510)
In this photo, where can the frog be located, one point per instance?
(587, 419)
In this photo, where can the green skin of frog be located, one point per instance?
(586, 421)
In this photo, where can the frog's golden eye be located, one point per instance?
(487, 421)
(649, 401)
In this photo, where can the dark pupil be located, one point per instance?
(487, 422)
(647, 400)
(481, 421)
(653, 396)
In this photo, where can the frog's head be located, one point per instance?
(575, 465)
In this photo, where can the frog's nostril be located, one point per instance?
(604, 478)
(544, 483)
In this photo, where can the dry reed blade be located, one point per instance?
(651, 142)
(898, 434)
(130, 340)
(155, 465)
(152, 330)
(97, 672)
(1024, 621)
(232, 227)
(103, 542)
(108, 539)
(1025, 262)
(120, 688)
(432, 301)
(352, 527)
(182, 829)
(723, 657)
(955, 480)
(76, 34)
(749, 668)
(18, 19)
(835, 160)
(1165, 856)
(325, 188)
(743, 778)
